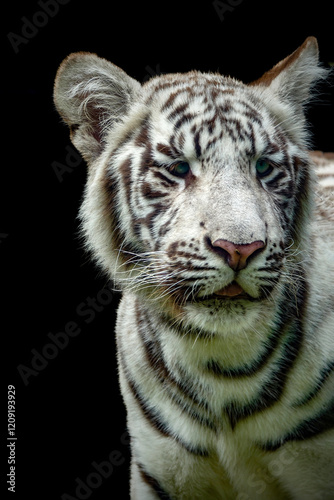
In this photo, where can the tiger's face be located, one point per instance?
(199, 187)
(208, 185)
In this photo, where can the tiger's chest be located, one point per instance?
(222, 426)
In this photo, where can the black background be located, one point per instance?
(70, 413)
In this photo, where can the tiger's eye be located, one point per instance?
(263, 167)
(180, 169)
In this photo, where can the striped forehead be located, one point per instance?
(191, 93)
(200, 113)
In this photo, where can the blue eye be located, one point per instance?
(263, 167)
(180, 169)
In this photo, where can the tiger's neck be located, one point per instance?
(245, 352)
(214, 375)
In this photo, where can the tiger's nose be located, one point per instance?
(237, 256)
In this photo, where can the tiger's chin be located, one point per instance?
(228, 315)
(234, 309)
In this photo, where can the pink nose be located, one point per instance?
(236, 256)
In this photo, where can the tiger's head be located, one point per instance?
(199, 189)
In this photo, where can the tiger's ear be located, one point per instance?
(91, 94)
(291, 80)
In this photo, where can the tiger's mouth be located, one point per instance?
(233, 291)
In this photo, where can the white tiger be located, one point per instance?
(201, 205)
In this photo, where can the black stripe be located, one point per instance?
(149, 219)
(240, 130)
(167, 150)
(143, 136)
(280, 329)
(248, 369)
(320, 382)
(173, 252)
(178, 111)
(252, 114)
(153, 416)
(230, 130)
(111, 187)
(186, 118)
(249, 133)
(165, 228)
(179, 391)
(272, 182)
(273, 388)
(300, 200)
(146, 160)
(175, 142)
(177, 328)
(148, 191)
(322, 422)
(164, 178)
(198, 148)
(266, 290)
(225, 109)
(153, 483)
(170, 100)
